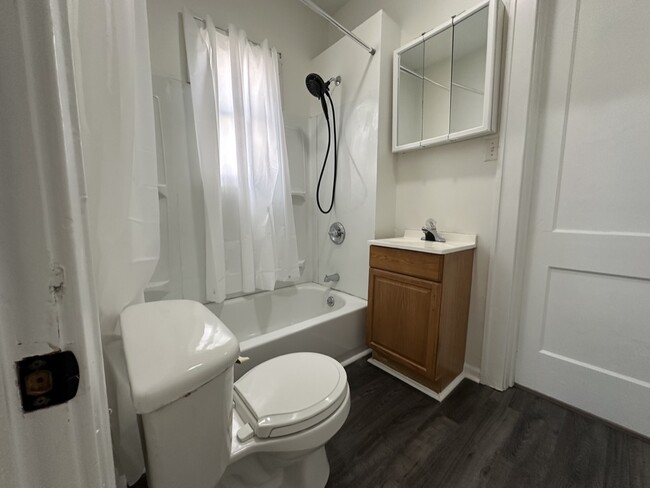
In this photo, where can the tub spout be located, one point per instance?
(333, 277)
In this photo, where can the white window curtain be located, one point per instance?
(250, 231)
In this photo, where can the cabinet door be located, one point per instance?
(468, 81)
(409, 96)
(475, 71)
(403, 320)
(436, 75)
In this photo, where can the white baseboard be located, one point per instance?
(427, 391)
(472, 373)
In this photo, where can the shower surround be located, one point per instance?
(365, 194)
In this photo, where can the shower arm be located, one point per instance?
(336, 24)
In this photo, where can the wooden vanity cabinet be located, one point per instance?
(418, 307)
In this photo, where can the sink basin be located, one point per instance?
(420, 244)
(412, 242)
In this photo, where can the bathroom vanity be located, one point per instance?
(418, 307)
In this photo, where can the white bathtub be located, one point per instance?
(293, 319)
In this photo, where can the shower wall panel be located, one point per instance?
(365, 163)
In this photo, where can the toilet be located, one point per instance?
(203, 430)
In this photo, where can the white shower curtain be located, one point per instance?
(250, 231)
(112, 73)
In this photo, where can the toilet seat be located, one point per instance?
(290, 393)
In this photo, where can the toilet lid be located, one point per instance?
(290, 393)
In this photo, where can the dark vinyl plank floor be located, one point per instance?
(398, 437)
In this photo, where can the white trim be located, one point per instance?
(427, 391)
(356, 357)
(479, 131)
(506, 269)
(435, 141)
(492, 70)
(470, 11)
(48, 300)
(395, 91)
(426, 36)
(472, 373)
(410, 146)
(596, 369)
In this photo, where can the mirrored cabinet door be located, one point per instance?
(468, 77)
(436, 77)
(409, 95)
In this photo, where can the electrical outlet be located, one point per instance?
(491, 149)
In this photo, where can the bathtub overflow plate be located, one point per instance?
(330, 301)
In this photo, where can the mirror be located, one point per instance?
(409, 116)
(445, 83)
(437, 75)
(468, 81)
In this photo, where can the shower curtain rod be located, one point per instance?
(336, 24)
(225, 31)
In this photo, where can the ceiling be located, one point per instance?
(330, 6)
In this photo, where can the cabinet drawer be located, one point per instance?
(411, 263)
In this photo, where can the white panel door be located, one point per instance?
(585, 328)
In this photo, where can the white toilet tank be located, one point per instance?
(180, 359)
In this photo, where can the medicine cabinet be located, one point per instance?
(446, 82)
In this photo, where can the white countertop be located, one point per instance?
(412, 242)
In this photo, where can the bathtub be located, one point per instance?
(293, 319)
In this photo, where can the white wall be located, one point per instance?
(364, 149)
(386, 175)
(451, 183)
(413, 16)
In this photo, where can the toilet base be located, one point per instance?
(294, 469)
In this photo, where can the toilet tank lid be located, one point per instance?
(173, 347)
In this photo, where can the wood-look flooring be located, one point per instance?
(396, 436)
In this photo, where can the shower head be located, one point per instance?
(318, 87)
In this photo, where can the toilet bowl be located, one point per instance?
(201, 429)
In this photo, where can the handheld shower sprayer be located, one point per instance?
(321, 89)
(317, 87)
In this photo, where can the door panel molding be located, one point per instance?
(596, 369)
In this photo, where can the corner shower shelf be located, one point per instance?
(300, 194)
